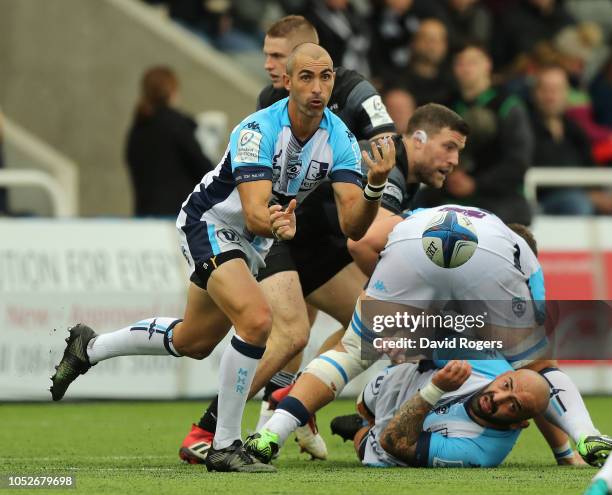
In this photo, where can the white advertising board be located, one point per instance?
(111, 273)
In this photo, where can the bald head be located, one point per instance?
(534, 389)
(306, 53)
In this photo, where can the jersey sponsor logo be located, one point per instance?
(519, 306)
(377, 111)
(315, 173)
(442, 410)
(473, 213)
(394, 191)
(228, 235)
(248, 146)
(294, 166)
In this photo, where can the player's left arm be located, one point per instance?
(401, 434)
(357, 208)
(366, 250)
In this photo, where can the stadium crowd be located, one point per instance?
(533, 78)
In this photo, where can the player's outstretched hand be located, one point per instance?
(379, 166)
(452, 376)
(282, 222)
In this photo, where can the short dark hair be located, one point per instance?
(477, 45)
(293, 25)
(432, 118)
(526, 234)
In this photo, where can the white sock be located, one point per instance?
(605, 473)
(566, 408)
(265, 413)
(290, 413)
(283, 423)
(151, 337)
(236, 372)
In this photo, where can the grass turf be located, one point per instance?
(124, 447)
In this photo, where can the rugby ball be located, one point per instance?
(449, 239)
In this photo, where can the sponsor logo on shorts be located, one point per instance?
(519, 306)
(228, 235)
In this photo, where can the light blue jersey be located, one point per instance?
(263, 147)
(450, 437)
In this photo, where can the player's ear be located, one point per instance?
(286, 81)
(419, 138)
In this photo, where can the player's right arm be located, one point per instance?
(251, 153)
(401, 434)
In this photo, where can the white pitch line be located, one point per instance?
(91, 457)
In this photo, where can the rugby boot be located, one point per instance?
(598, 487)
(347, 426)
(262, 445)
(595, 449)
(74, 361)
(235, 458)
(310, 440)
(196, 445)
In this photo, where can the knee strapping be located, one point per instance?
(335, 369)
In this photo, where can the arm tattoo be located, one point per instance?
(400, 436)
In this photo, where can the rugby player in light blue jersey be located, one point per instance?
(278, 155)
(466, 414)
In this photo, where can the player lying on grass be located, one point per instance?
(466, 414)
(503, 267)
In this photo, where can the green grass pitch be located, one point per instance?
(126, 447)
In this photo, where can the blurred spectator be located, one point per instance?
(342, 32)
(427, 77)
(466, 20)
(394, 23)
(164, 158)
(558, 142)
(523, 26)
(3, 192)
(601, 95)
(580, 48)
(400, 105)
(215, 21)
(499, 148)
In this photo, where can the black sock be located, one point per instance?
(270, 389)
(208, 421)
(280, 380)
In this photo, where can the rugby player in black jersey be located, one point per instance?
(316, 267)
